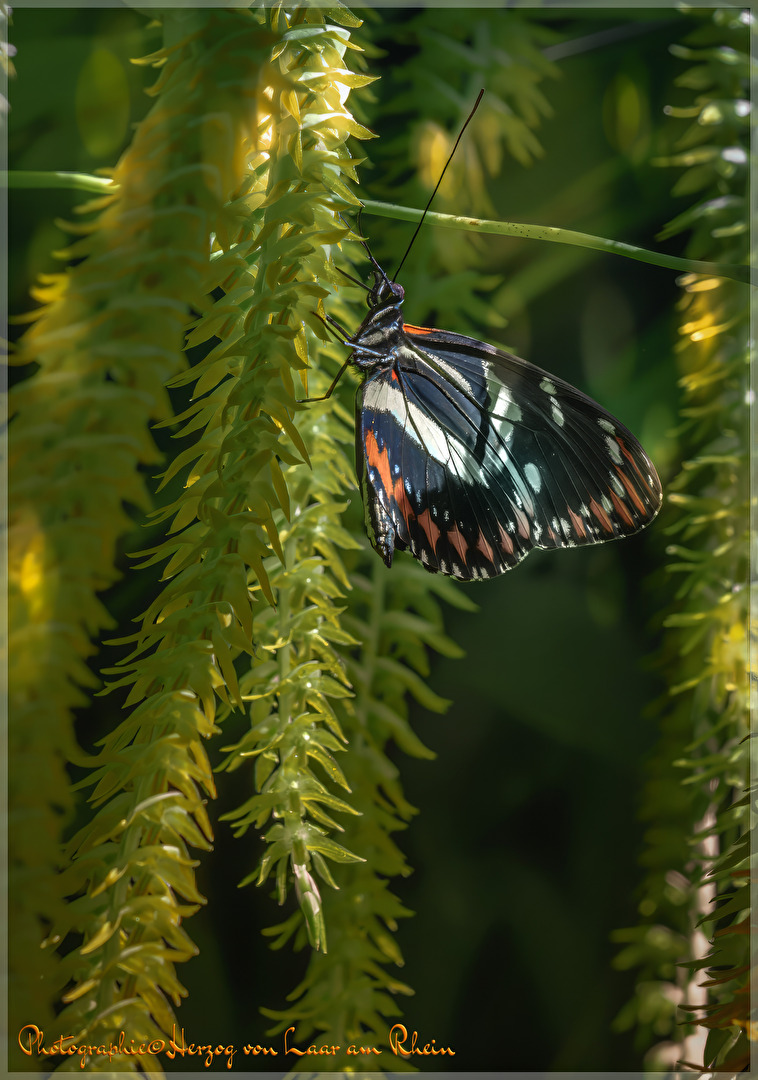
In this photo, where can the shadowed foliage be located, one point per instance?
(216, 683)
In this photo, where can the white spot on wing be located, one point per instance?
(504, 407)
(557, 414)
(505, 430)
(613, 449)
(616, 484)
(533, 476)
(548, 386)
(606, 425)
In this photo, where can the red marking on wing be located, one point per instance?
(402, 500)
(621, 509)
(505, 541)
(431, 530)
(418, 329)
(631, 490)
(456, 539)
(379, 460)
(394, 376)
(630, 457)
(483, 546)
(577, 522)
(601, 515)
(523, 524)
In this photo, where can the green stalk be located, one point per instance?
(563, 236)
(84, 182)
(74, 181)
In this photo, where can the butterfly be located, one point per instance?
(469, 457)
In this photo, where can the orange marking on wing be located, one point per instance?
(505, 541)
(431, 530)
(379, 460)
(630, 457)
(577, 522)
(631, 490)
(601, 516)
(402, 499)
(483, 545)
(621, 509)
(418, 329)
(455, 537)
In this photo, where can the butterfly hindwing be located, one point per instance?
(559, 446)
(471, 457)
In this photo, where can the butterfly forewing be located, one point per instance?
(470, 457)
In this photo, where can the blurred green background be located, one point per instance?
(526, 844)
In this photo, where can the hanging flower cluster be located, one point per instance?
(692, 944)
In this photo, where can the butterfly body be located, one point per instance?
(469, 457)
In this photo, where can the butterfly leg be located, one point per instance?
(344, 339)
(328, 394)
(342, 334)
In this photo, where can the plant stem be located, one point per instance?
(563, 236)
(85, 182)
(21, 178)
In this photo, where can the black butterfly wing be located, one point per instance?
(471, 457)
(562, 449)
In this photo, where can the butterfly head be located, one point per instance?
(385, 292)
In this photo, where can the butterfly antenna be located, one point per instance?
(365, 247)
(442, 175)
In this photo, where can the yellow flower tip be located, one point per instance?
(709, 332)
(35, 581)
(702, 325)
(697, 284)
